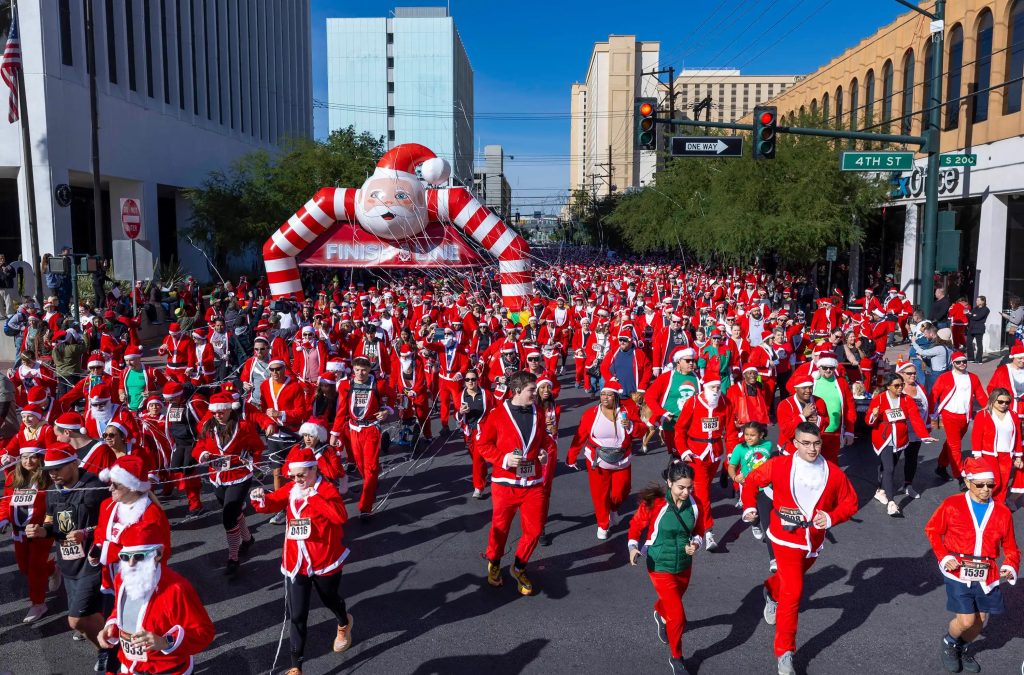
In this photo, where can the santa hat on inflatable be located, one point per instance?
(402, 160)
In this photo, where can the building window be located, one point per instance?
(111, 44)
(67, 52)
(163, 51)
(824, 108)
(181, 54)
(192, 44)
(954, 70)
(907, 106)
(814, 107)
(982, 67)
(869, 99)
(839, 108)
(927, 102)
(147, 17)
(129, 8)
(887, 92)
(391, 87)
(206, 59)
(1015, 58)
(854, 102)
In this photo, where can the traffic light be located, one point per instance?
(646, 136)
(765, 118)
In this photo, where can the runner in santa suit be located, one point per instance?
(582, 338)
(594, 356)
(314, 436)
(473, 405)
(255, 370)
(363, 404)
(1010, 376)
(809, 496)
(718, 359)
(43, 397)
(746, 400)
(669, 391)
(283, 409)
(995, 436)
(765, 360)
(908, 371)
(605, 436)
(180, 349)
(137, 382)
(33, 434)
(967, 534)
(181, 421)
(83, 388)
(229, 448)
(802, 406)
(314, 549)
(673, 521)
(891, 415)
(551, 342)
(667, 342)
(627, 365)
(700, 438)
(551, 413)
(954, 393)
(453, 364)
(158, 624)
(309, 359)
(515, 440)
(842, 413)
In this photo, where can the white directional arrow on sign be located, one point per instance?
(705, 146)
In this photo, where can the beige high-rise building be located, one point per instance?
(603, 117)
(732, 95)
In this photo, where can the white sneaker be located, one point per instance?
(55, 580)
(786, 664)
(880, 496)
(773, 566)
(602, 533)
(912, 493)
(757, 532)
(893, 509)
(478, 493)
(709, 541)
(770, 607)
(35, 613)
(739, 503)
(278, 518)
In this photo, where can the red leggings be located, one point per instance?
(506, 500)
(786, 586)
(365, 446)
(608, 489)
(956, 427)
(703, 475)
(831, 442)
(479, 463)
(33, 558)
(670, 589)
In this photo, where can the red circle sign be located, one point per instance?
(131, 218)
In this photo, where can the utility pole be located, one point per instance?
(97, 191)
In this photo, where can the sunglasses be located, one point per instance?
(276, 370)
(828, 367)
(896, 385)
(984, 486)
(471, 379)
(135, 557)
(110, 435)
(533, 358)
(909, 372)
(689, 360)
(1003, 401)
(960, 362)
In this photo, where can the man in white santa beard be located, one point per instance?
(140, 578)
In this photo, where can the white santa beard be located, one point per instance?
(102, 417)
(129, 514)
(139, 580)
(406, 222)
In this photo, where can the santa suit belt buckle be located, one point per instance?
(363, 423)
(792, 519)
(703, 440)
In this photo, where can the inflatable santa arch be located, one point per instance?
(395, 205)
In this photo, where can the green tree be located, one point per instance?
(237, 209)
(736, 210)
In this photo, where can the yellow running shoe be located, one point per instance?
(494, 575)
(525, 585)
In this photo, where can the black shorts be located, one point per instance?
(964, 599)
(84, 597)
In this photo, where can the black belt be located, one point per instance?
(363, 423)
(973, 557)
(177, 365)
(787, 521)
(704, 440)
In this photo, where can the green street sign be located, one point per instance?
(878, 161)
(958, 160)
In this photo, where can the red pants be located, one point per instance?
(33, 558)
(365, 446)
(191, 485)
(769, 391)
(1002, 467)
(831, 441)
(608, 489)
(506, 500)
(956, 427)
(479, 463)
(669, 438)
(786, 586)
(580, 371)
(959, 335)
(703, 475)
(670, 589)
(447, 395)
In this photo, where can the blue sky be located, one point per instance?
(526, 54)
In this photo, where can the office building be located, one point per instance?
(731, 95)
(490, 185)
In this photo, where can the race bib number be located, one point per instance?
(219, 463)
(526, 470)
(361, 399)
(25, 497)
(709, 425)
(895, 415)
(131, 651)
(972, 570)
(299, 529)
(70, 550)
(176, 414)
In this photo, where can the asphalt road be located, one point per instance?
(415, 584)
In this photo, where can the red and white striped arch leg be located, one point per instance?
(452, 205)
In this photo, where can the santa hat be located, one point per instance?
(749, 366)
(626, 332)
(1017, 350)
(276, 362)
(612, 386)
(313, 429)
(32, 409)
(300, 458)
(133, 352)
(119, 424)
(59, 454)
(335, 365)
(221, 401)
(684, 353)
(99, 394)
(199, 333)
(71, 421)
(173, 389)
(175, 327)
(327, 378)
(958, 356)
(128, 471)
(978, 469)
(154, 399)
(828, 362)
(903, 365)
(38, 394)
(401, 162)
(711, 380)
(308, 330)
(803, 381)
(143, 537)
(545, 380)
(508, 348)
(96, 359)
(823, 347)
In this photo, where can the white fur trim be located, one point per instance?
(828, 362)
(215, 407)
(119, 475)
(313, 429)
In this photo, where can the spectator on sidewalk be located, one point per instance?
(939, 314)
(9, 297)
(1014, 318)
(976, 319)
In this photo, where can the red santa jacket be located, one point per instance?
(347, 416)
(945, 387)
(641, 367)
(585, 441)
(96, 456)
(890, 421)
(19, 516)
(180, 352)
(231, 461)
(114, 520)
(1003, 378)
(954, 535)
(500, 437)
(790, 415)
(700, 429)
(665, 345)
(835, 498)
(314, 538)
(290, 399)
(314, 358)
(448, 368)
(647, 518)
(38, 441)
(745, 407)
(983, 434)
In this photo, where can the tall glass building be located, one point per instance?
(406, 78)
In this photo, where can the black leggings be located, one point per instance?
(910, 461)
(764, 514)
(233, 499)
(887, 460)
(298, 592)
(181, 456)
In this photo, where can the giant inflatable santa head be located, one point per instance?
(392, 203)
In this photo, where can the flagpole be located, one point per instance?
(30, 182)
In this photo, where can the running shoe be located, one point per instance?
(757, 532)
(278, 518)
(893, 509)
(709, 541)
(773, 566)
(678, 667)
(35, 613)
(662, 631)
(786, 664)
(967, 659)
(880, 497)
(478, 493)
(951, 657)
(912, 493)
(494, 575)
(770, 607)
(602, 533)
(344, 638)
(525, 585)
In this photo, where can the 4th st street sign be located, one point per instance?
(707, 146)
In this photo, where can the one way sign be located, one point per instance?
(707, 146)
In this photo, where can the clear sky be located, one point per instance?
(525, 55)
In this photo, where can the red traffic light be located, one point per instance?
(646, 109)
(767, 117)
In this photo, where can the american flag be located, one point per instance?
(9, 67)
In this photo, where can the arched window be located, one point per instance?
(983, 67)
(887, 92)
(1015, 59)
(824, 109)
(814, 107)
(803, 113)
(908, 92)
(854, 103)
(839, 108)
(926, 100)
(954, 70)
(869, 99)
